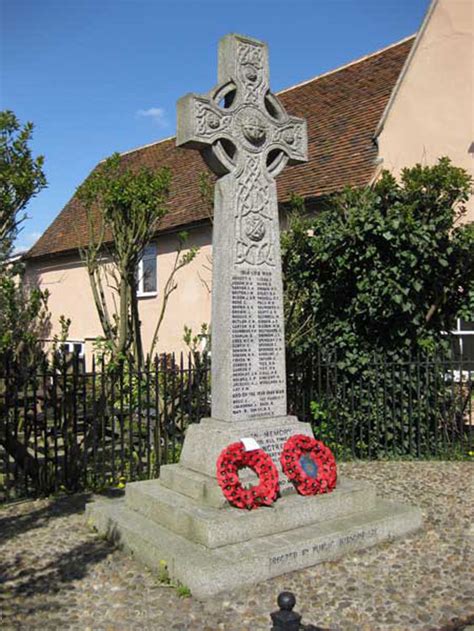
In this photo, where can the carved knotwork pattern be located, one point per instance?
(291, 136)
(255, 233)
(255, 136)
(251, 70)
(209, 122)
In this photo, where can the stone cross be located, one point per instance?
(247, 138)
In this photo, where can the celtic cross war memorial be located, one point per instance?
(182, 518)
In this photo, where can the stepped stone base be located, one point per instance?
(182, 518)
(211, 549)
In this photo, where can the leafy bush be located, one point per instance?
(24, 318)
(381, 272)
(381, 269)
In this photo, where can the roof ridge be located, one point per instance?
(150, 144)
(347, 65)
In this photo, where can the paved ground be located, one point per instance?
(56, 574)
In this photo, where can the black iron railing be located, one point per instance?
(66, 428)
(419, 407)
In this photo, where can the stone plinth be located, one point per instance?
(205, 441)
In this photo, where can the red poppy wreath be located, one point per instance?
(231, 460)
(309, 465)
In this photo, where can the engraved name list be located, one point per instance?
(258, 379)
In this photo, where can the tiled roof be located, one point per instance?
(342, 108)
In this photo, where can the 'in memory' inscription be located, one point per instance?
(258, 380)
(271, 440)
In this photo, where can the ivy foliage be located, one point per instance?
(384, 268)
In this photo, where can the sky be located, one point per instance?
(98, 76)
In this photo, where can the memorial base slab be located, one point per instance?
(210, 546)
(208, 571)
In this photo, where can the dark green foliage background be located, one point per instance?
(377, 277)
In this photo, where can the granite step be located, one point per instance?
(198, 486)
(214, 527)
(203, 488)
(209, 571)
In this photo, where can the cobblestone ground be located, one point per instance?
(56, 574)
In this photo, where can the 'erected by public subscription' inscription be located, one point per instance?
(328, 548)
(258, 379)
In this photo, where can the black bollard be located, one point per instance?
(285, 619)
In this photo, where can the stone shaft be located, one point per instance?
(248, 349)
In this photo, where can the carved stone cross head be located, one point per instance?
(241, 119)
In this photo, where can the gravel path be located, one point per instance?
(56, 574)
